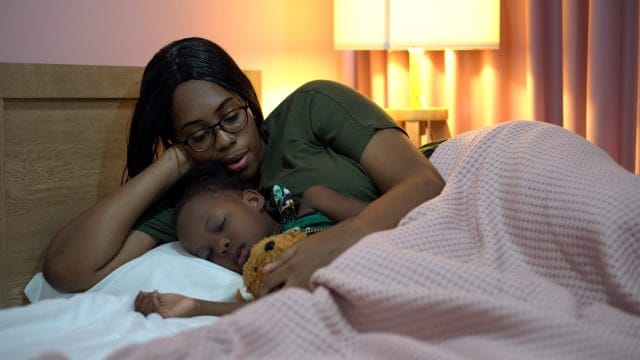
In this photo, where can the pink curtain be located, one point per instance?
(573, 63)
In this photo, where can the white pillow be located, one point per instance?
(167, 268)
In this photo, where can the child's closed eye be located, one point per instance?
(218, 226)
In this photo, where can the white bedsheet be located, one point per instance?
(167, 268)
(90, 325)
(86, 326)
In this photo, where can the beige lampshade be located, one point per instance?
(427, 24)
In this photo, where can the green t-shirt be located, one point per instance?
(159, 221)
(314, 137)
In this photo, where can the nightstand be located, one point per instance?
(428, 122)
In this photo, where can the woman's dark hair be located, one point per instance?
(210, 176)
(182, 60)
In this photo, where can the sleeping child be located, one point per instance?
(220, 217)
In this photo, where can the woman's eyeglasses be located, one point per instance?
(204, 138)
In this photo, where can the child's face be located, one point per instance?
(222, 227)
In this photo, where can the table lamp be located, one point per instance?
(416, 26)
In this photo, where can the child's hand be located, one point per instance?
(167, 305)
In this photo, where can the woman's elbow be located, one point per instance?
(55, 277)
(432, 182)
(63, 275)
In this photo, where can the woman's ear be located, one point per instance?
(253, 199)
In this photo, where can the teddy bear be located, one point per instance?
(262, 253)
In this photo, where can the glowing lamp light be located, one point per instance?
(416, 25)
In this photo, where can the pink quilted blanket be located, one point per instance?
(531, 251)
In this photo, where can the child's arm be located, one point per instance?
(174, 305)
(329, 202)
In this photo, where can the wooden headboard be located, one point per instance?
(63, 132)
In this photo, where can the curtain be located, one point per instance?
(573, 63)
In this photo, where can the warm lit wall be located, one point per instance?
(290, 41)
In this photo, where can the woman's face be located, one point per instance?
(222, 227)
(198, 104)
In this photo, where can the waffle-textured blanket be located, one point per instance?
(532, 250)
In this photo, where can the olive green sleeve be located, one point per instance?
(159, 222)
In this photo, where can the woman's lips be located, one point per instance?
(239, 164)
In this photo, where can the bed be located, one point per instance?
(62, 145)
(531, 251)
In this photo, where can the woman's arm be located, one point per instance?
(100, 239)
(330, 203)
(405, 178)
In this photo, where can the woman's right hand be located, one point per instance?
(101, 239)
(178, 157)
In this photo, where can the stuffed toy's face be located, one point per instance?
(262, 253)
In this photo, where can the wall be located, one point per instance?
(290, 41)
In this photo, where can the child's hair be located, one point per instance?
(210, 176)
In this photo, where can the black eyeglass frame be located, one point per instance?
(211, 129)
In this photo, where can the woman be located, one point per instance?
(196, 103)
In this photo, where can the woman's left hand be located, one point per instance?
(404, 177)
(295, 266)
